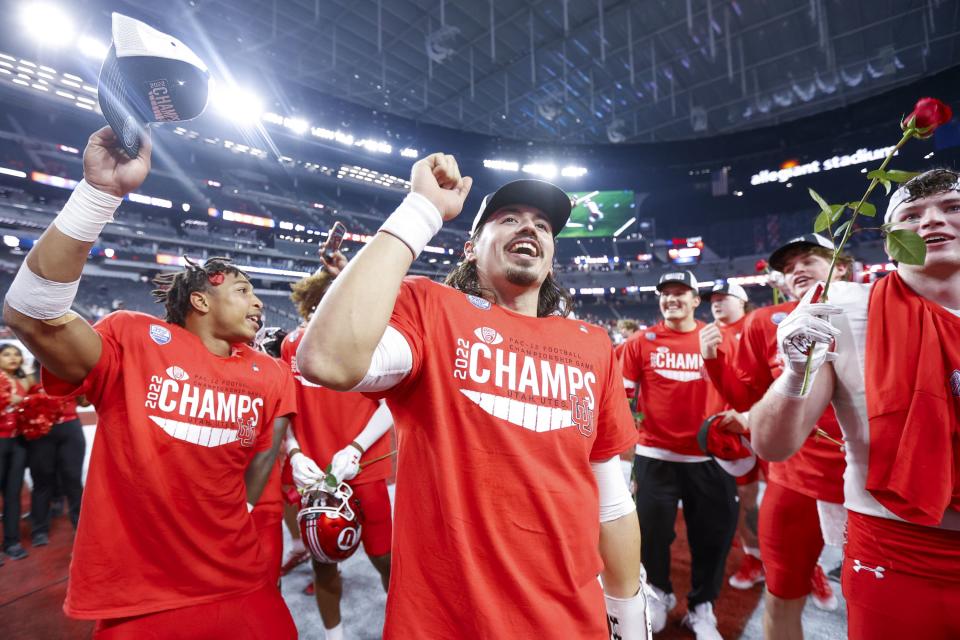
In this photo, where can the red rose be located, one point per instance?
(929, 114)
(761, 266)
(216, 278)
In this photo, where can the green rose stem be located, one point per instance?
(910, 132)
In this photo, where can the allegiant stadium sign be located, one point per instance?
(794, 170)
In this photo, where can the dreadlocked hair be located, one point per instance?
(174, 289)
(554, 300)
(307, 292)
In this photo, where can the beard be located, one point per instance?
(520, 276)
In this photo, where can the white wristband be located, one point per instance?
(414, 222)
(790, 383)
(86, 213)
(39, 298)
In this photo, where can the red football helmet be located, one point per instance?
(330, 522)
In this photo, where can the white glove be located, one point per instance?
(306, 473)
(630, 618)
(806, 328)
(346, 463)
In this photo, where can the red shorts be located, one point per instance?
(901, 580)
(790, 540)
(377, 518)
(261, 614)
(269, 526)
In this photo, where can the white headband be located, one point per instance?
(901, 196)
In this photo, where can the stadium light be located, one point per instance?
(298, 125)
(409, 153)
(542, 170)
(237, 104)
(47, 23)
(573, 172)
(502, 165)
(92, 48)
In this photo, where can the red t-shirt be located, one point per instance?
(816, 470)
(165, 522)
(730, 340)
(666, 365)
(497, 510)
(329, 420)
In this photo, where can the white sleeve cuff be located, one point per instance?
(392, 361)
(615, 498)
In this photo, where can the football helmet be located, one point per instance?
(330, 522)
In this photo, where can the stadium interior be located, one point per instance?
(688, 133)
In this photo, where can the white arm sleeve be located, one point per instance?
(392, 361)
(290, 442)
(615, 498)
(380, 422)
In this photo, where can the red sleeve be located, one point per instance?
(730, 387)
(284, 404)
(615, 430)
(750, 365)
(410, 313)
(107, 369)
(631, 360)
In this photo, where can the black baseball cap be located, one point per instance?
(685, 278)
(808, 240)
(147, 77)
(547, 197)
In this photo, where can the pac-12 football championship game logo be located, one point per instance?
(955, 382)
(480, 303)
(526, 384)
(160, 334)
(204, 412)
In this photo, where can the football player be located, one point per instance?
(510, 418)
(190, 420)
(345, 429)
(663, 364)
(894, 382)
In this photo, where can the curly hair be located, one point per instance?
(554, 300)
(930, 183)
(307, 292)
(174, 289)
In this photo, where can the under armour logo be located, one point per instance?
(877, 571)
(614, 624)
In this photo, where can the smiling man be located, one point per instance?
(894, 381)
(509, 418)
(799, 488)
(189, 422)
(664, 365)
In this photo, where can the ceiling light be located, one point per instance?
(47, 23)
(92, 48)
(237, 104)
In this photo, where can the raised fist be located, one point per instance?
(107, 168)
(437, 178)
(710, 339)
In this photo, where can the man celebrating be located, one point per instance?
(790, 529)
(728, 303)
(894, 381)
(664, 364)
(190, 419)
(509, 419)
(345, 429)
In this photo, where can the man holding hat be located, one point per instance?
(886, 355)
(509, 417)
(807, 484)
(663, 363)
